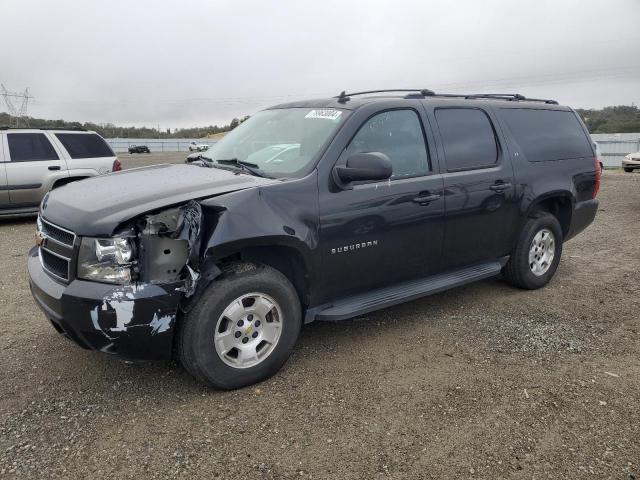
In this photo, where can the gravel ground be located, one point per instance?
(484, 381)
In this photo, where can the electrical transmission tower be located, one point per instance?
(11, 99)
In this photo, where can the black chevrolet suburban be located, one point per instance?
(313, 210)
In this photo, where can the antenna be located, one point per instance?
(20, 113)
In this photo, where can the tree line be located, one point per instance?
(109, 130)
(616, 119)
(620, 119)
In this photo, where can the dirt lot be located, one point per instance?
(485, 381)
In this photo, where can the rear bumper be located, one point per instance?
(136, 322)
(583, 215)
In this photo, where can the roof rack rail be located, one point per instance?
(511, 97)
(75, 129)
(424, 92)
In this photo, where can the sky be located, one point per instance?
(193, 63)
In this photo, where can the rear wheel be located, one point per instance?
(535, 259)
(242, 330)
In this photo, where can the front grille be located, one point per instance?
(56, 233)
(54, 264)
(56, 249)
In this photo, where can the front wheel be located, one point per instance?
(628, 170)
(243, 328)
(535, 259)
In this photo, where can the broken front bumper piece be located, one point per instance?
(135, 321)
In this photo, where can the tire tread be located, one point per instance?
(516, 269)
(188, 329)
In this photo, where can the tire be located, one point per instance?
(519, 270)
(198, 352)
(628, 170)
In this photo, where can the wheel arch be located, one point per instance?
(287, 260)
(282, 254)
(66, 180)
(559, 203)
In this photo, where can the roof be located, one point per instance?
(54, 129)
(352, 101)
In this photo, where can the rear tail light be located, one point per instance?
(117, 166)
(596, 185)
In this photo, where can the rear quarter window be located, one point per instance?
(27, 147)
(547, 135)
(83, 145)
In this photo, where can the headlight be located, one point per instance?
(105, 259)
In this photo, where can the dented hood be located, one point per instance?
(97, 205)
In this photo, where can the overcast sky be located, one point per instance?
(188, 63)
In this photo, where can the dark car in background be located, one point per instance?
(139, 149)
(316, 210)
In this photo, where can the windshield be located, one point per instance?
(281, 142)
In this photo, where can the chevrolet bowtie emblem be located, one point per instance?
(39, 239)
(248, 330)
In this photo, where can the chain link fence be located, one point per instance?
(120, 145)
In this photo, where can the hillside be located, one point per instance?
(112, 131)
(620, 119)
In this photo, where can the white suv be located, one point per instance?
(198, 147)
(34, 161)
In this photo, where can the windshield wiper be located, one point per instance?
(252, 168)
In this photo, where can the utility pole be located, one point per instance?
(20, 113)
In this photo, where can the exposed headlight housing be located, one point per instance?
(105, 259)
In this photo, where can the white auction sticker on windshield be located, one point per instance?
(326, 113)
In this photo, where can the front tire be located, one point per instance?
(243, 328)
(535, 259)
(628, 170)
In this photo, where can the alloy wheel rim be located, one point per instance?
(542, 252)
(248, 330)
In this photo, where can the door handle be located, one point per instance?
(424, 199)
(54, 167)
(500, 187)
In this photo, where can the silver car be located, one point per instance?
(34, 161)
(631, 162)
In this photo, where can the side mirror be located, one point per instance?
(365, 166)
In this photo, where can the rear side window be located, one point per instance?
(83, 145)
(26, 147)
(547, 135)
(468, 138)
(397, 134)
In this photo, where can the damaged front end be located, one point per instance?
(169, 243)
(129, 288)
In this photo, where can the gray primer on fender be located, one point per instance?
(161, 324)
(121, 302)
